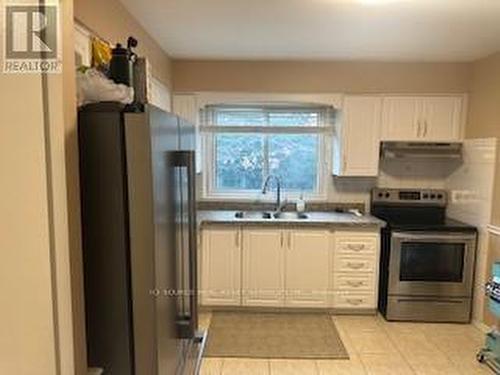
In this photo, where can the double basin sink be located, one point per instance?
(271, 215)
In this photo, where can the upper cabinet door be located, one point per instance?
(359, 131)
(186, 106)
(401, 118)
(442, 118)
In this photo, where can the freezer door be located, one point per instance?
(150, 137)
(105, 240)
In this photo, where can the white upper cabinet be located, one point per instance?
(186, 106)
(442, 118)
(400, 117)
(357, 137)
(430, 118)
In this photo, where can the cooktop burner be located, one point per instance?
(415, 210)
(448, 225)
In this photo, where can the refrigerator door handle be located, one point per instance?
(187, 298)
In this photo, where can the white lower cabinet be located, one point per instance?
(307, 268)
(355, 269)
(263, 273)
(221, 266)
(262, 266)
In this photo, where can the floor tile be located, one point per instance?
(456, 344)
(352, 366)
(385, 364)
(358, 324)
(467, 364)
(211, 366)
(444, 329)
(375, 347)
(400, 328)
(293, 367)
(245, 366)
(410, 343)
(204, 320)
(433, 363)
(371, 343)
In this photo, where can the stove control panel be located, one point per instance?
(409, 196)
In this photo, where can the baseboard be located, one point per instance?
(320, 310)
(481, 326)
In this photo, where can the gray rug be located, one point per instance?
(274, 335)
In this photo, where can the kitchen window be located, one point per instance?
(246, 143)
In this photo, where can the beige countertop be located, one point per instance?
(314, 218)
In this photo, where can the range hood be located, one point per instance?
(421, 150)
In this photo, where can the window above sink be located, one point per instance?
(245, 143)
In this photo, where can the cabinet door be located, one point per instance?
(361, 135)
(263, 267)
(221, 266)
(186, 106)
(442, 118)
(401, 118)
(307, 268)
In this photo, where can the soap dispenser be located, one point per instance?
(301, 204)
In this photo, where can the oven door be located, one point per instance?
(431, 264)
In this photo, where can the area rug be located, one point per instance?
(274, 335)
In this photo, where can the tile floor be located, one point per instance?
(375, 347)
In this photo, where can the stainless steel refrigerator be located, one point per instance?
(139, 240)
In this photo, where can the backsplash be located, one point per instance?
(393, 174)
(269, 206)
(471, 191)
(354, 192)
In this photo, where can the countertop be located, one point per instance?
(314, 218)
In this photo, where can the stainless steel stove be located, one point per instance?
(427, 259)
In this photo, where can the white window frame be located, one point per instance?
(324, 143)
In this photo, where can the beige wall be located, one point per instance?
(41, 325)
(28, 312)
(27, 342)
(484, 101)
(111, 21)
(275, 76)
(62, 94)
(484, 121)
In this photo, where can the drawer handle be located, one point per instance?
(355, 302)
(355, 283)
(355, 266)
(358, 247)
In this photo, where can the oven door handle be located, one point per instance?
(431, 236)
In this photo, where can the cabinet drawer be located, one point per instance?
(344, 264)
(354, 301)
(355, 246)
(353, 282)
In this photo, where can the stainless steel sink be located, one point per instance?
(268, 215)
(290, 216)
(253, 215)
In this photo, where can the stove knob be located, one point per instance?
(426, 196)
(440, 196)
(433, 196)
(380, 195)
(387, 195)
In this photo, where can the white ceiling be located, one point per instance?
(395, 30)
